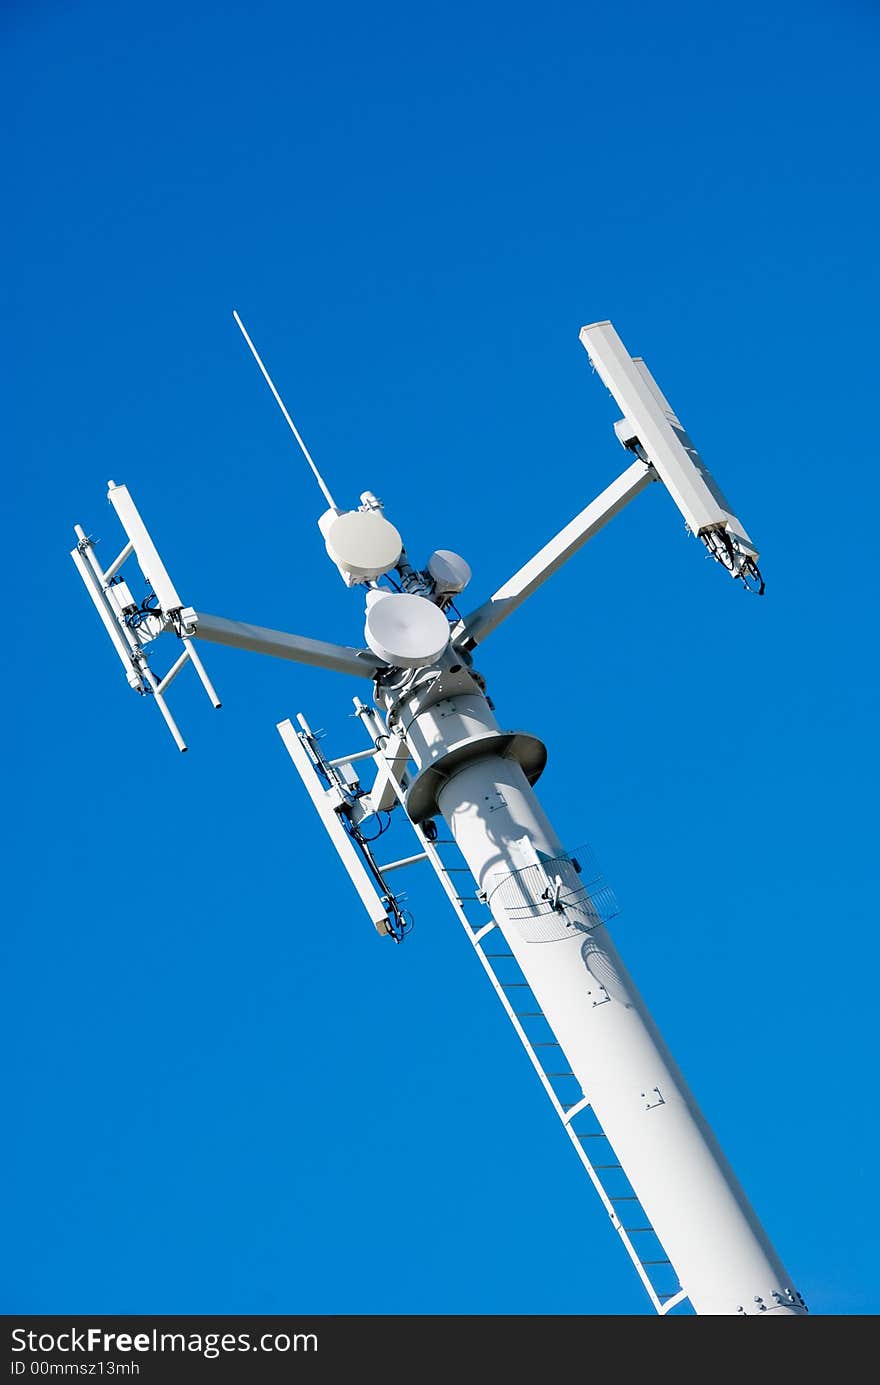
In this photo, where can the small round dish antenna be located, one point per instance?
(363, 544)
(405, 630)
(450, 571)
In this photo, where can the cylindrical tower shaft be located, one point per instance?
(700, 1213)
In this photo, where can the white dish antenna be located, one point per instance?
(449, 570)
(404, 629)
(363, 544)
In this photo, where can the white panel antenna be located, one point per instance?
(333, 791)
(132, 625)
(650, 428)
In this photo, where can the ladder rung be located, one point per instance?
(626, 1198)
(529, 1014)
(608, 1166)
(633, 1229)
(590, 1134)
(655, 1262)
(559, 1074)
(497, 954)
(547, 1043)
(515, 985)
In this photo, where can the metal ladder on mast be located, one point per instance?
(571, 1104)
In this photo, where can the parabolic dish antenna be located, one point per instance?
(405, 630)
(449, 570)
(363, 544)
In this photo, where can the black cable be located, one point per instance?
(137, 618)
(751, 570)
(407, 922)
(383, 827)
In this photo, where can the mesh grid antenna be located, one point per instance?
(290, 423)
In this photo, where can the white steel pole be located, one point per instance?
(700, 1213)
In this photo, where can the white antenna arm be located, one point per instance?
(290, 423)
(475, 627)
(318, 653)
(651, 430)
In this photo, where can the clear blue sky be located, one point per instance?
(225, 1093)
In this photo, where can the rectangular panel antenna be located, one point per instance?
(132, 626)
(329, 802)
(652, 430)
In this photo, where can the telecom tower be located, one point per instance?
(535, 914)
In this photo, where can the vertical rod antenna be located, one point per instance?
(280, 402)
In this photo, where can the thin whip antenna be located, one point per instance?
(280, 402)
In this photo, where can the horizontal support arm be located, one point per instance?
(338, 657)
(481, 622)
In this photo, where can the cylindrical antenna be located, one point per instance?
(280, 402)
